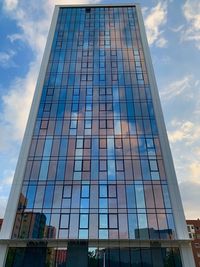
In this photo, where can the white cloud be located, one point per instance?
(10, 5)
(155, 19)
(177, 29)
(7, 180)
(186, 131)
(178, 87)
(6, 59)
(195, 171)
(191, 12)
(33, 21)
(5, 186)
(16, 105)
(17, 100)
(15, 37)
(161, 42)
(185, 145)
(181, 103)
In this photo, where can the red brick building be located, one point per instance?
(1, 221)
(194, 233)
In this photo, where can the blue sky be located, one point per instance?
(173, 29)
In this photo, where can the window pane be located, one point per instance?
(113, 222)
(130, 193)
(85, 191)
(139, 196)
(48, 197)
(103, 190)
(103, 221)
(64, 221)
(83, 220)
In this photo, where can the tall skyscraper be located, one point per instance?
(95, 183)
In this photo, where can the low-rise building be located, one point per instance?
(1, 221)
(194, 233)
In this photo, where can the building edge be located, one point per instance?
(13, 199)
(176, 202)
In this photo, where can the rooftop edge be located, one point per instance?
(100, 5)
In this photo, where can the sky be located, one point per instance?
(173, 31)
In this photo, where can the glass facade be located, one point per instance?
(94, 257)
(95, 168)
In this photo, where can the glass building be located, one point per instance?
(95, 183)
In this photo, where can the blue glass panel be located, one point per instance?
(79, 143)
(103, 191)
(145, 170)
(130, 194)
(103, 220)
(62, 56)
(64, 221)
(71, 79)
(84, 203)
(154, 127)
(116, 109)
(61, 110)
(60, 66)
(111, 170)
(79, 152)
(48, 197)
(166, 197)
(47, 147)
(132, 225)
(78, 165)
(153, 165)
(139, 191)
(31, 196)
(85, 191)
(103, 203)
(129, 95)
(83, 234)
(171, 225)
(63, 147)
(44, 170)
(95, 147)
(83, 220)
(117, 126)
(130, 109)
(58, 128)
(60, 170)
(142, 221)
(58, 80)
(73, 124)
(103, 234)
(132, 126)
(94, 169)
(142, 146)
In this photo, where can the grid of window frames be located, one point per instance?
(95, 168)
